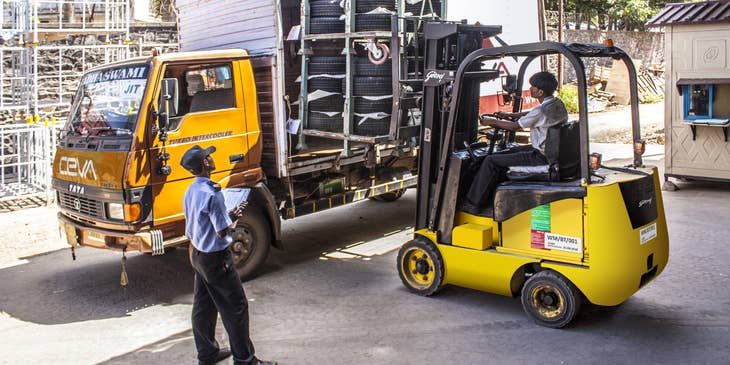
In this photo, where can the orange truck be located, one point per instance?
(116, 171)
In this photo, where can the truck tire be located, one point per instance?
(364, 6)
(363, 67)
(415, 9)
(372, 127)
(365, 106)
(322, 122)
(251, 243)
(371, 86)
(326, 65)
(326, 25)
(321, 9)
(372, 22)
(324, 83)
(332, 103)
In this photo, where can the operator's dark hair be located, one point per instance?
(544, 81)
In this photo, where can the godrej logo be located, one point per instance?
(70, 166)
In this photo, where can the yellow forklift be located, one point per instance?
(557, 235)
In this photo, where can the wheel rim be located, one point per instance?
(547, 301)
(242, 245)
(418, 268)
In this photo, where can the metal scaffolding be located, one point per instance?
(45, 46)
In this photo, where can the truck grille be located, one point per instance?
(81, 205)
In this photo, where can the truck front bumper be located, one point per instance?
(150, 241)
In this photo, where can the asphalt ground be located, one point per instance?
(334, 297)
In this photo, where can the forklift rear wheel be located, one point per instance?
(251, 243)
(550, 299)
(421, 267)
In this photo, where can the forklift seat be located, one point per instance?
(562, 149)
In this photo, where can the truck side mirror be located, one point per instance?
(167, 103)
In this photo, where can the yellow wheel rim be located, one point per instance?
(547, 301)
(418, 268)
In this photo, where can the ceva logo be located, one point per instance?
(70, 166)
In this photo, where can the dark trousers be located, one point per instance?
(218, 289)
(493, 166)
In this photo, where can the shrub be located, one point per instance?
(569, 95)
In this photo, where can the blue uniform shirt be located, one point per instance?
(205, 215)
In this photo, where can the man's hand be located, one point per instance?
(237, 212)
(487, 121)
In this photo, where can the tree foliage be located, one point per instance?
(610, 14)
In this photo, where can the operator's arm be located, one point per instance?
(501, 124)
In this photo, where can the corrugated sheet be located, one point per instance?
(220, 24)
(692, 13)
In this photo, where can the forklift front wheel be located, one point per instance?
(550, 299)
(421, 267)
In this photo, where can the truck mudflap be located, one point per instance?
(150, 241)
(337, 200)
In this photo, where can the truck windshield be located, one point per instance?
(107, 102)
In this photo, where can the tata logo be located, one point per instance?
(77, 204)
(70, 166)
(78, 189)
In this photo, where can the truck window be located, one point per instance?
(210, 88)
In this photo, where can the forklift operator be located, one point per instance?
(550, 112)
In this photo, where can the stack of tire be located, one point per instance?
(325, 114)
(373, 22)
(374, 81)
(324, 17)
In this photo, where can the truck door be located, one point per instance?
(210, 112)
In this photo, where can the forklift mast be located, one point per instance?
(446, 47)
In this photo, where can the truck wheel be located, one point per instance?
(390, 196)
(364, 6)
(420, 267)
(251, 243)
(323, 9)
(372, 22)
(370, 86)
(550, 299)
(326, 25)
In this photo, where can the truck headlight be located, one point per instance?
(115, 211)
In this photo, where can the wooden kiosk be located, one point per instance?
(697, 104)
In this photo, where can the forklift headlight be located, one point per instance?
(115, 211)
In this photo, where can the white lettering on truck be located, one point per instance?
(70, 166)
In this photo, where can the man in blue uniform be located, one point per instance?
(218, 287)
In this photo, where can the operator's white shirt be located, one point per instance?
(552, 111)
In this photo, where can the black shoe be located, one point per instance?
(263, 362)
(223, 354)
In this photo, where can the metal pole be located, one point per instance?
(561, 25)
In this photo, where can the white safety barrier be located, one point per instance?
(26, 155)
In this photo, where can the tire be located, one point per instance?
(371, 86)
(550, 299)
(363, 67)
(322, 122)
(332, 103)
(325, 83)
(364, 6)
(390, 196)
(415, 9)
(372, 22)
(322, 9)
(326, 65)
(372, 127)
(326, 25)
(365, 106)
(421, 267)
(251, 243)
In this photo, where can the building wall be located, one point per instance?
(697, 52)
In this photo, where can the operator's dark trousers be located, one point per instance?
(493, 166)
(218, 289)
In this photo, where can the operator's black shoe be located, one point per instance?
(263, 362)
(223, 354)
